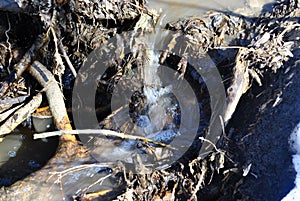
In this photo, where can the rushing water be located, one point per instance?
(157, 95)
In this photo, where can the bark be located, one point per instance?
(20, 115)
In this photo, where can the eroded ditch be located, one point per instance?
(200, 177)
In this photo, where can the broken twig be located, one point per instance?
(103, 132)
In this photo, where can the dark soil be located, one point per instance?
(264, 142)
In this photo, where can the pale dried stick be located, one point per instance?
(103, 132)
(8, 102)
(7, 113)
(62, 49)
(200, 182)
(20, 115)
(9, 44)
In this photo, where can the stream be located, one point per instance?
(20, 155)
(173, 9)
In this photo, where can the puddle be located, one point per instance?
(21, 155)
(10, 146)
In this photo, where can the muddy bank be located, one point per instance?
(271, 112)
(260, 129)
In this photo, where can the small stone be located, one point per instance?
(12, 154)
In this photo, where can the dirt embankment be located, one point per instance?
(270, 113)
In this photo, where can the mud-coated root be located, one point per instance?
(54, 96)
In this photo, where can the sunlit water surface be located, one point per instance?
(173, 9)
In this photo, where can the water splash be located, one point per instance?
(157, 96)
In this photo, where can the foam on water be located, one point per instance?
(294, 194)
(155, 92)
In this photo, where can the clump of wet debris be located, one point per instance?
(50, 40)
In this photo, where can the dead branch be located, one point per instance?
(8, 102)
(103, 132)
(62, 49)
(20, 115)
(200, 182)
(239, 86)
(7, 113)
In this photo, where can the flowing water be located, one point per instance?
(173, 9)
(156, 94)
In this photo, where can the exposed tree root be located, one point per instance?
(54, 96)
(21, 66)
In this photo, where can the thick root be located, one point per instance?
(54, 96)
